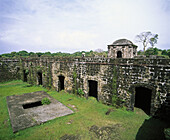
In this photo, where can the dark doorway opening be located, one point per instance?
(31, 105)
(119, 54)
(39, 78)
(93, 88)
(143, 99)
(61, 83)
(25, 75)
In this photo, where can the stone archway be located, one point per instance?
(119, 54)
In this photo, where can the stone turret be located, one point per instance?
(122, 48)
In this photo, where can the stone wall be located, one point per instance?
(9, 69)
(153, 74)
(114, 77)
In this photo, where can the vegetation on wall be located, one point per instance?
(114, 87)
(74, 81)
(80, 92)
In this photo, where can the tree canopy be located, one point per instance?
(24, 53)
(147, 38)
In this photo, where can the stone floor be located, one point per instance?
(23, 118)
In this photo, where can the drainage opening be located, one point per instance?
(31, 105)
(93, 88)
(143, 99)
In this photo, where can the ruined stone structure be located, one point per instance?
(134, 82)
(122, 48)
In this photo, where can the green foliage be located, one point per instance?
(75, 81)
(147, 37)
(155, 51)
(168, 53)
(114, 82)
(153, 40)
(45, 101)
(80, 92)
(151, 51)
(116, 101)
(140, 52)
(167, 133)
(57, 54)
(164, 52)
(90, 112)
(26, 71)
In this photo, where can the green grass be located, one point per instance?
(88, 113)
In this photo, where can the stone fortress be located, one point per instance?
(134, 81)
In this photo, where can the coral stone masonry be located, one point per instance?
(122, 75)
(122, 48)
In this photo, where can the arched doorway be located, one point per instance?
(61, 83)
(39, 78)
(93, 88)
(143, 99)
(119, 54)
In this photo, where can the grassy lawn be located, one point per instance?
(89, 122)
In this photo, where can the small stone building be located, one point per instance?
(122, 48)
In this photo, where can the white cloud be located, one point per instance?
(74, 25)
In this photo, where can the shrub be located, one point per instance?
(80, 92)
(167, 133)
(45, 101)
(117, 102)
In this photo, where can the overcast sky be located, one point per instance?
(77, 25)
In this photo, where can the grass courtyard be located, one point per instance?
(89, 121)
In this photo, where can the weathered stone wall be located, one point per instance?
(122, 48)
(153, 74)
(9, 69)
(127, 51)
(115, 77)
(33, 66)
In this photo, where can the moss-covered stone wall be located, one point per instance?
(10, 69)
(116, 78)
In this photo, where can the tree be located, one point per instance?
(153, 40)
(164, 52)
(168, 52)
(145, 38)
(39, 54)
(151, 51)
(98, 50)
(22, 53)
(140, 52)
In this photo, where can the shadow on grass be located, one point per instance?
(152, 129)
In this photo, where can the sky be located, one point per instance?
(80, 25)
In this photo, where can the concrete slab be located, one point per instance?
(23, 118)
